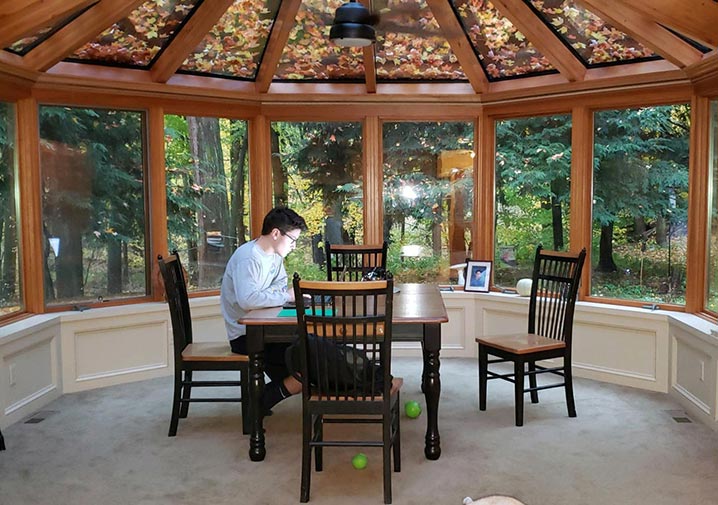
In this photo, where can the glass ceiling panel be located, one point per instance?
(501, 48)
(27, 44)
(595, 41)
(138, 38)
(235, 45)
(310, 55)
(410, 44)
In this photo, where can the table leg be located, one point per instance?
(255, 347)
(431, 384)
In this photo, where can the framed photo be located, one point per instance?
(478, 276)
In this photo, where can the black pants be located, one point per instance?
(275, 366)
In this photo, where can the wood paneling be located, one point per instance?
(19, 19)
(693, 18)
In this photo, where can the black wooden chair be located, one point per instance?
(351, 262)
(2, 442)
(190, 357)
(345, 352)
(556, 277)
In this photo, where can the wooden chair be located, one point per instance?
(556, 277)
(2, 442)
(345, 344)
(190, 357)
(352, 262)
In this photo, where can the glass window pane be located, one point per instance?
(712, 284)
(207, 193)
(502, 49)
(317, 171)
(640, 203)
(428, 198)
(10, 280)
(533, 171)
(93, 204)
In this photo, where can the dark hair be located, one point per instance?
(283, 219)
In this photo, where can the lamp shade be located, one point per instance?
(352, 26)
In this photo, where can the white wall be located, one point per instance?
(42, 357)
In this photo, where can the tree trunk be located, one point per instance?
(557, 223)
(238, 155)
(8, 255)
(114, 267)
(605, 252)
(213, 215)
(279, 177)
(68, 264)
(661, 231)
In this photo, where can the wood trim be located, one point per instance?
(275, 45)
(370, 68)
(372, 167)
(460, 45)
(185, 41)
(31, 240)
(484, 188)
(694, 18)
(156, 176)
(22, 19)
(698, 204)
(645, 31)
(582, 189)
(14, 88)
(704, 75)
(83, 28)
(542, 37)
(260, 174)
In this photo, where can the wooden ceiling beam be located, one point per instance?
(646, 31)
(83, 28)
(21, 19)
(696, 19)
(275, 45)
(460, 45)
(191, 34)
(369, 60)
(541, 36)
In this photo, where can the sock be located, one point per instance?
(274, 392)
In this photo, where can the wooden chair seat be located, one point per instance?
(211, 351)
(522, 343)
(396, 384)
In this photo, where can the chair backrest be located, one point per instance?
(352, 262)
(176, 293)
(345, 338)
(554, 291)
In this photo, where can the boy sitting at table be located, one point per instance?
(255, 278)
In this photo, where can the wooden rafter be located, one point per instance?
(646, 31)
(22, 19)
(85, 27)
(545, 40)
(460, 44)
(696, 19)
(369, 54)
(191, 34)
(275, 45)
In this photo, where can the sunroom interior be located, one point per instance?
(469, 129)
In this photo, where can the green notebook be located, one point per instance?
(293, 312)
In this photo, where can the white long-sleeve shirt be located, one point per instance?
(253, 279)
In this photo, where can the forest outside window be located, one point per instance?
(711, 303)
(10, 279)
(92, 167)
(317, 171)
(533, 171)
(207, 176)
(428, 197)
(640, 203)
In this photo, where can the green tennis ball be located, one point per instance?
(412, 409)
(359, 461)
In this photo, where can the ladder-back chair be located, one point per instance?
(351, 262)
(190, 357)
(345, 352)
(556, 277)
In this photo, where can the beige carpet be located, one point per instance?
(110, 446)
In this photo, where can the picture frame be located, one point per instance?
(478, 276)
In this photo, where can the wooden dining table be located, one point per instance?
(418, 313)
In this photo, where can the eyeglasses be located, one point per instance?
(294, 240)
